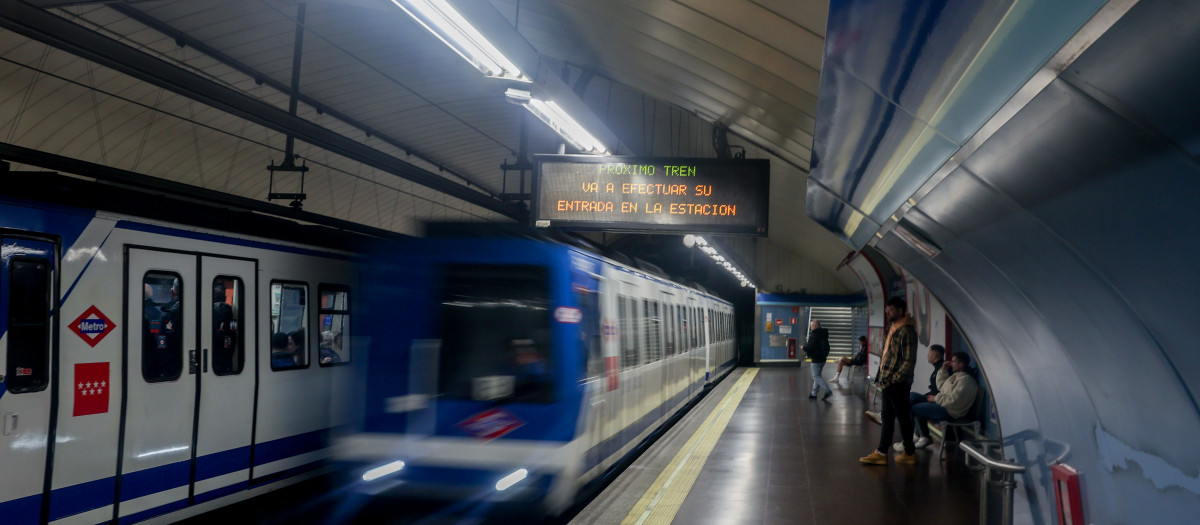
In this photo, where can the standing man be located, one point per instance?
(895, 378)
(817, 350)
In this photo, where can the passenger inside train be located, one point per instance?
(161, 341)
(281, 353)
(225, 341)
(331, 345)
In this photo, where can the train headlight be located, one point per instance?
(511, 479)
(379, 472)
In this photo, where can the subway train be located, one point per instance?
(159, 369)
(520, 370)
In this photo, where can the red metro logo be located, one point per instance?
(92, 326)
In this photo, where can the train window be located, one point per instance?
(589, 326)
(669, 317)
(228, 353)
(289, 324)
(162, 327)
(495, 326)
(695, 329)
(708, 326)
(686, 330)
(651, 323)
(28, 325)
(636, 322)
(628, 349)
(333, 322)
(683, 328)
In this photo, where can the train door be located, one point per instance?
(225, 411)
(168, 358)
(26, 317)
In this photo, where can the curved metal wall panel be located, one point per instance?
(905, 84)
(1068, 240)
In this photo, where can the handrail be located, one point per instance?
(992, 464)
(989, 468)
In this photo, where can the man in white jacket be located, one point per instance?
(956, 394)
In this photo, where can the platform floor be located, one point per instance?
(755, 450)
(782, 458)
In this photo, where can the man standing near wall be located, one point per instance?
(817, 350)
(895, 378)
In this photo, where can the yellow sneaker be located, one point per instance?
(908, 459)
(874, 458)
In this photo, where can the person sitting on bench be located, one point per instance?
(956, 395)
(859, 359)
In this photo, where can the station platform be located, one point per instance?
(757, 450)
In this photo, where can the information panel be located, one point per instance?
(651, 194)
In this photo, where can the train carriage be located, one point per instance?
(138, 377)
(522, 369)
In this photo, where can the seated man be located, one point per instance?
(936, 357)
(858, 359)
(957, 389)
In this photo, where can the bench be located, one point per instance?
(971, 423)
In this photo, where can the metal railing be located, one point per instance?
(992, 472)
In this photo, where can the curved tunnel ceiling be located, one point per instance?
(660, 74)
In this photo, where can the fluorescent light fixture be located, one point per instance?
(690, 241)
(453, 30)
(511, 479)
(558, 120)
(379, 472)
(916, 241)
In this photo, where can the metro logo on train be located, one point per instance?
(92, 326)
(491, 424)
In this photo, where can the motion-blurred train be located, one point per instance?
(156, 365)
(520, 370)
(139, 374)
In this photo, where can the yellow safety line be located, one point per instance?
(662, 501)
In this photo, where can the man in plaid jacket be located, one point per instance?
(895, 378)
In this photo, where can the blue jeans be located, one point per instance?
(915, 397)
(818, 379)
(923, 413)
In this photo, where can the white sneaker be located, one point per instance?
(898, 446)
(923, 442)
(834, 380)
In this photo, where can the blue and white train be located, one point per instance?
(520, 369)
(156, 366)
(139, 375)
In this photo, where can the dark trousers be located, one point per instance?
(895, 406)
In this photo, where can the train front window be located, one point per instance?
(495, 328)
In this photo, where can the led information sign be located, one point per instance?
(651, 194)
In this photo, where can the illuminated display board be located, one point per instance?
(651, 194)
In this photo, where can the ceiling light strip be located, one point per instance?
(439, 18)
(558, 120)
(708, 249)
